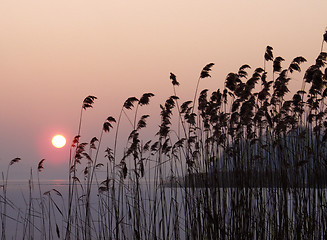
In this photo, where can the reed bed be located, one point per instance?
(244, 162)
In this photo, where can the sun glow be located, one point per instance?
(58, 141)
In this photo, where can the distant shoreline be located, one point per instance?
(250, 179)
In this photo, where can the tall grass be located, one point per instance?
(244, 162)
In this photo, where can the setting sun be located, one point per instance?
(58, 141)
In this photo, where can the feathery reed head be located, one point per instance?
(111, 119)
(92, 143)
(88, 102)
(277, 67)
(145, 99)
(109, 154)
(241, 72)
(173, 79)
(107, 124)
(40, 165)
(15, 160)
(205, 71)
(76, 140)
(142, 122)
(269, 54)
(295, 64)
(129, 103)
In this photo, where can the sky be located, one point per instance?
(55, 53)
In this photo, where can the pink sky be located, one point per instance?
(55, 53)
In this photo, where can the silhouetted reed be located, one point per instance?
(244, 162)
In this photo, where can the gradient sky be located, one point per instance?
(55, 53)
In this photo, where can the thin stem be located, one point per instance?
(179, 113)
(196, 91)
(137, 107)
(89, 186)
(116, 134)
(80, 122)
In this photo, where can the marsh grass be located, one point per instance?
(247, 162)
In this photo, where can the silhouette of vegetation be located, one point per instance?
(244, 162)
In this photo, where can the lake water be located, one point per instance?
(167, 213)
